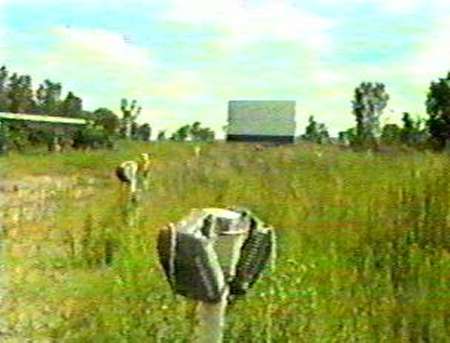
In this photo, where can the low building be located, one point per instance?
(261, 121)
(36, 120)
(54, 125)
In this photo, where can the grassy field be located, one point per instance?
(363, 246)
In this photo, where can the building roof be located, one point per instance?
(258, 117)
(41, 118)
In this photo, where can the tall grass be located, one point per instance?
(363, 247)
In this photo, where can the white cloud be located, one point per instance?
(102, 67)
(433, 57)
(181, 85)
(95, 60)
(327, 76)
(3, 30)
(393, 6)
(241, 23)
(69, 2)
(104, 45)
(399, 6)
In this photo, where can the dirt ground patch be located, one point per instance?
(31, 199)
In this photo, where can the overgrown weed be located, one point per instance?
(364, 246)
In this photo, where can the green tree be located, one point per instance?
(195, 131)
(199, 133)
(390, 134)
(324, 136)
(4, 101)
(408, 128)
(412, 132)
(311, 130)
(41, 135)
(438, 109)
(94, 137)
(315, 132)
(181, 134)
(48, 98)
(205, 134)
(130, 112)
(134, 130)
(144, 132)
(347, 137)
(162, 135)
(17, 136)
(20, 94)
(370, 99)
(106, 119)
(4, 138)
(71, 106)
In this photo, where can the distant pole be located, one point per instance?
(127, 173)
(197, 151)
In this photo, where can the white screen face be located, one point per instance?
(267, 118)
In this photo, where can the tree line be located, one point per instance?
(104, 126)
(369, 101)
(194, 132)
(103, 129)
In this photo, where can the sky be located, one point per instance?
(183, 60)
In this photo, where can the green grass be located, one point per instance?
(363, 246)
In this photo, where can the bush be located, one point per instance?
(4, 139)
(93, 137)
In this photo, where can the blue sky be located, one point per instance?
(183, 60)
